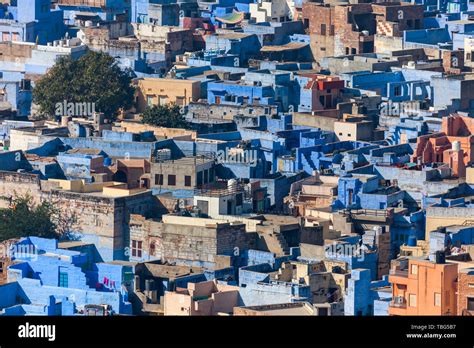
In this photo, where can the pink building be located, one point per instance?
(453, 145)
(320, 92)
(205, 298)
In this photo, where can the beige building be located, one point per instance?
(156, 91)
(354, 128)
(469, 51)
(205, 298)
(184, 173)
(274, 10)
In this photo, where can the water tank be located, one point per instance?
(411, 241)
(107, 161)
(456, 145)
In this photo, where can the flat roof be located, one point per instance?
(194, 160)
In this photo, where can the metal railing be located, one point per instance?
(399, 302)
(216, 190)
(400, 273)
(367, 212)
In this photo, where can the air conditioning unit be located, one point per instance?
(399, 300)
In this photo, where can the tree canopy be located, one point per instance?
(93, 78)
(169, 115)
(23, 218)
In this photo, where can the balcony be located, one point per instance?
(83, 3)
(397, 276)
(467, 312)
(399, 302)
(399, 273)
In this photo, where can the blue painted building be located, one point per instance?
(365, 297)
(245, 46)
(96, 11)
(32, 21)
(47, 280)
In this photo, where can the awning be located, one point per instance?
(232, 18)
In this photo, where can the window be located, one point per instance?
(470, 303)
(1, 267)
(180, 101)
(158, 179)
(323, 29)
(211, 174)
(353, 50)
(152, 248)
(414, 269)
(63, 280)
(238, 200)
(136, 248)
(206, 176)
(412, 300)
(149, 100)
(199, 178)
(468, 56)
(397, 91)
(163, 100)
(322, 312)
(187, 180)
(347, 50)
(171, 180)
(437, 299)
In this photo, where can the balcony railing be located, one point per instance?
(85, 3)
(399, 273)
(467, 312)
(399, 302)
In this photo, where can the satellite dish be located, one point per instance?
(181, 204)
(291, 204)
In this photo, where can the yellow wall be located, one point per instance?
(167, 90)
(165, 132)
(81, 186)
(470, 176)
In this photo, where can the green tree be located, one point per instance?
(165, 116)
(24, 218)
(93, 78)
